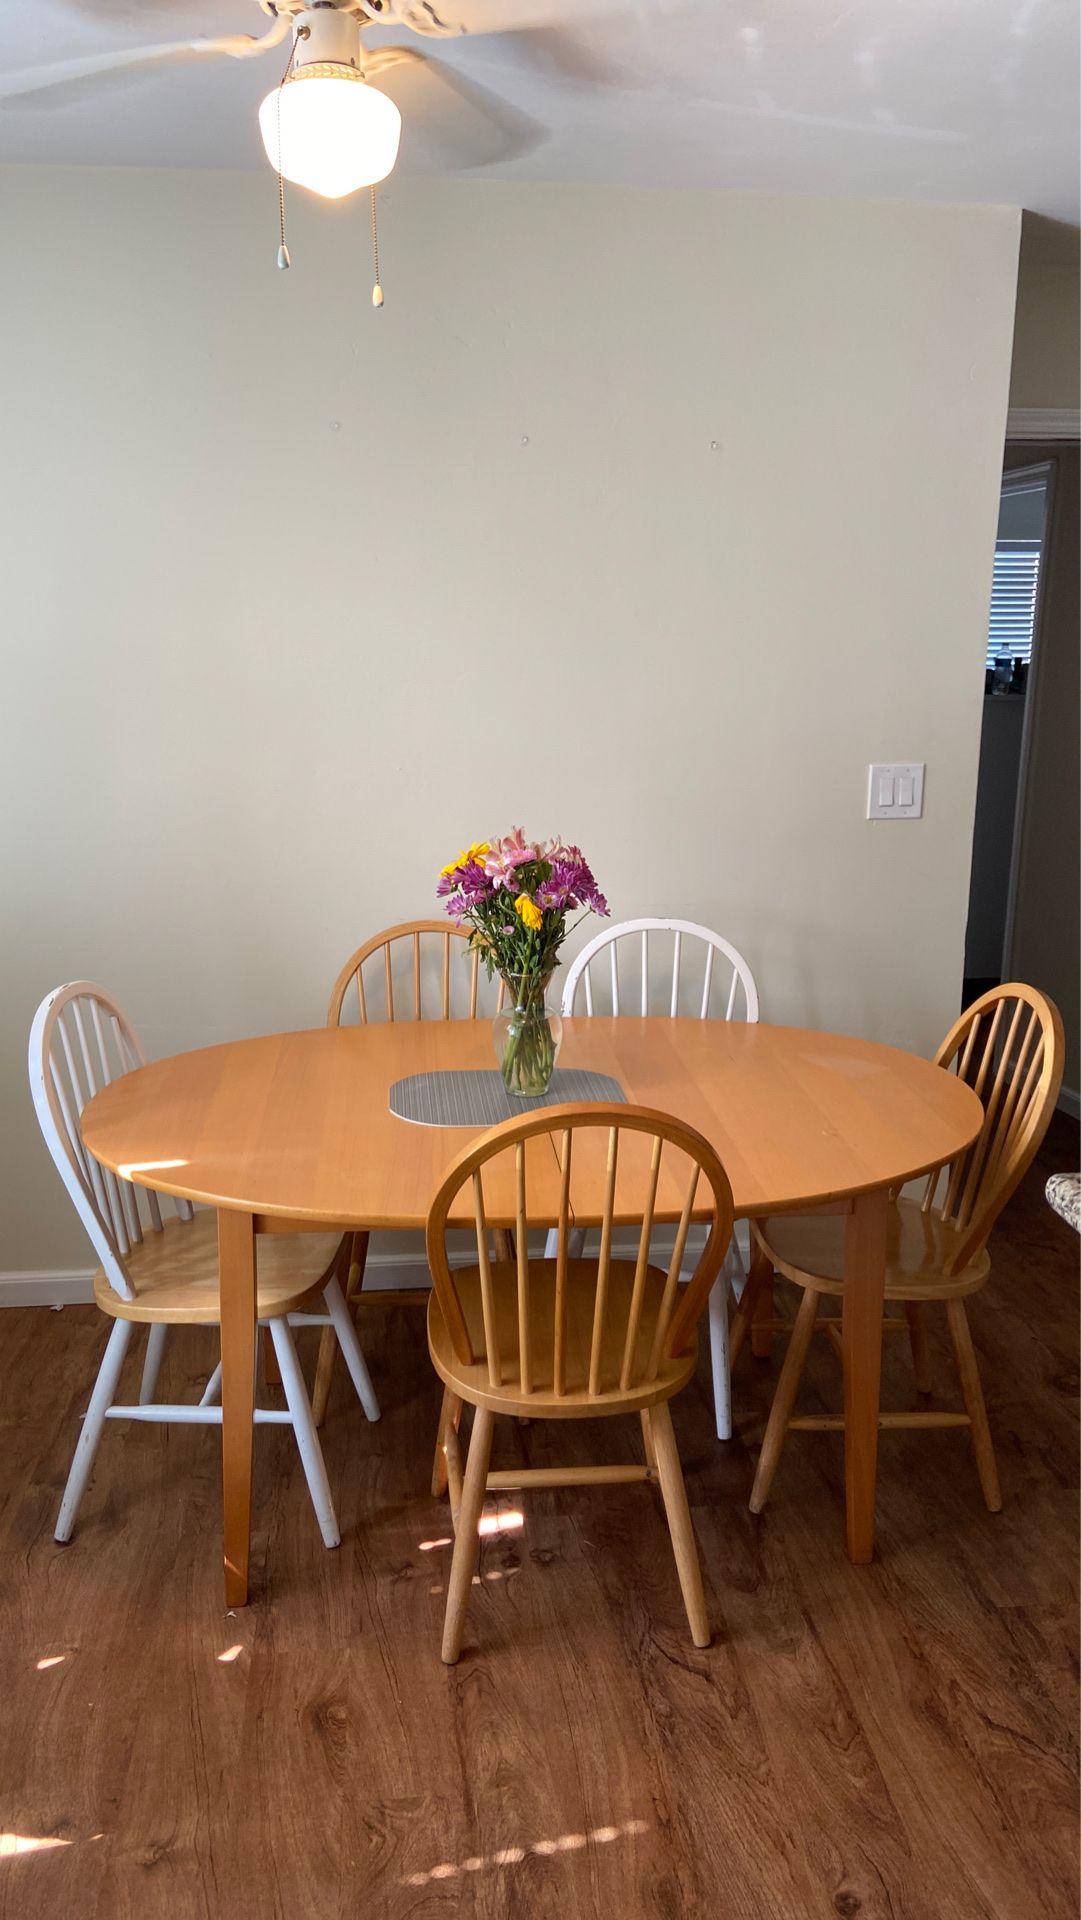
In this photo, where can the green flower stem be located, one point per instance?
(529, 1051)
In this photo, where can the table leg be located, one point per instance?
(236, 1276)
(861, 1334)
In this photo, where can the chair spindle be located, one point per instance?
(487, 1295)
(641, 1268)
(521, 1234)
(559, 1343)
(604, 1264)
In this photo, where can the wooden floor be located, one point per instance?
(892, 1741)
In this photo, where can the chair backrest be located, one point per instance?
(79, 1042)
(411, 975)
(553, 1165)
(1009, 1047)
(722, 977)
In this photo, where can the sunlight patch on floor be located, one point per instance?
(231, 1653)
(513, 1856)
(17, 1843)
(50, 1660)
(507, 1522)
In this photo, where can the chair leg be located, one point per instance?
(155, 1348)
(353, 1261)
(784, 1399)
(270, 1365)
(576, 1243)
(449, 1414)
(917, 1334)
(311, 1453)
(464, 1561)
(718, 1353)
(760, 1305)
(454, 1469)
(212, 1390)
(658, 1421)
(750, 1305)
(358, 1260)
(93, 1427)
(982, 1444)
(647, 1440)
(324, 1370)
(342, 1325)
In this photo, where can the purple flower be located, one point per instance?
(575, 875)
(552, 898)
(464, 889)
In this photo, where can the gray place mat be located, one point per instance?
(479, 1099)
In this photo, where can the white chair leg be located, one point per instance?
(311, 1453)
(732, 1278)
(212, 1390)
(342, 1322)
(576, 1243)
(93, 1426)
(155, 1348)
(718, 1353)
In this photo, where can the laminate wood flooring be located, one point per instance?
(894, 1742)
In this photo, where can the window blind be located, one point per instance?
(1013, 601)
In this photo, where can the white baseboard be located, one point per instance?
(1069, 1101)
(49, 1288)
(385, 1273)
(394, 1272)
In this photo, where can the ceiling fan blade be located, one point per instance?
(517, 16)
(448, 119)
(63, 73)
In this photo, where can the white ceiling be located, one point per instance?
(965, 100)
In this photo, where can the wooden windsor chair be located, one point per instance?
(725, 987)
(160, 1269)
(1009, 1047)
(571, 1338)
(407, 972)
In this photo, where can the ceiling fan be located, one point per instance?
(330, 124)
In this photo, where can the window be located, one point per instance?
(1013, 601)
(1016, 578)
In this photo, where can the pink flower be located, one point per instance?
(505, 856)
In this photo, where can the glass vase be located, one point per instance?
(528, 1034)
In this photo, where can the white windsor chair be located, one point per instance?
(163, 1271)
(725, 982)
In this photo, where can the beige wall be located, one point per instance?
(298, 597)
(1046, 369)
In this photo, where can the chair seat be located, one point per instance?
(175, 1273)
(810, 1251)
(471, 1381)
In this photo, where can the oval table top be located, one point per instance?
(297, 1125)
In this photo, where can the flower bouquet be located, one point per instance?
(515, 896)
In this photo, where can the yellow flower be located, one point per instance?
(528, 910)
(475, 852)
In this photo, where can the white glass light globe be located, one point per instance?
(337, 133)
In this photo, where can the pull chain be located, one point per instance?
(377, 291)
(283, 251)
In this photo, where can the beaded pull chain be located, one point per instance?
(284, 261)
(377, 291)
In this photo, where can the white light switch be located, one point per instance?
(895, 791)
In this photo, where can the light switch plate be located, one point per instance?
(895, 790)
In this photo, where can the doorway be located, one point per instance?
(1010, 676)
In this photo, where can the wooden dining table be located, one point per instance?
(292, 1133)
